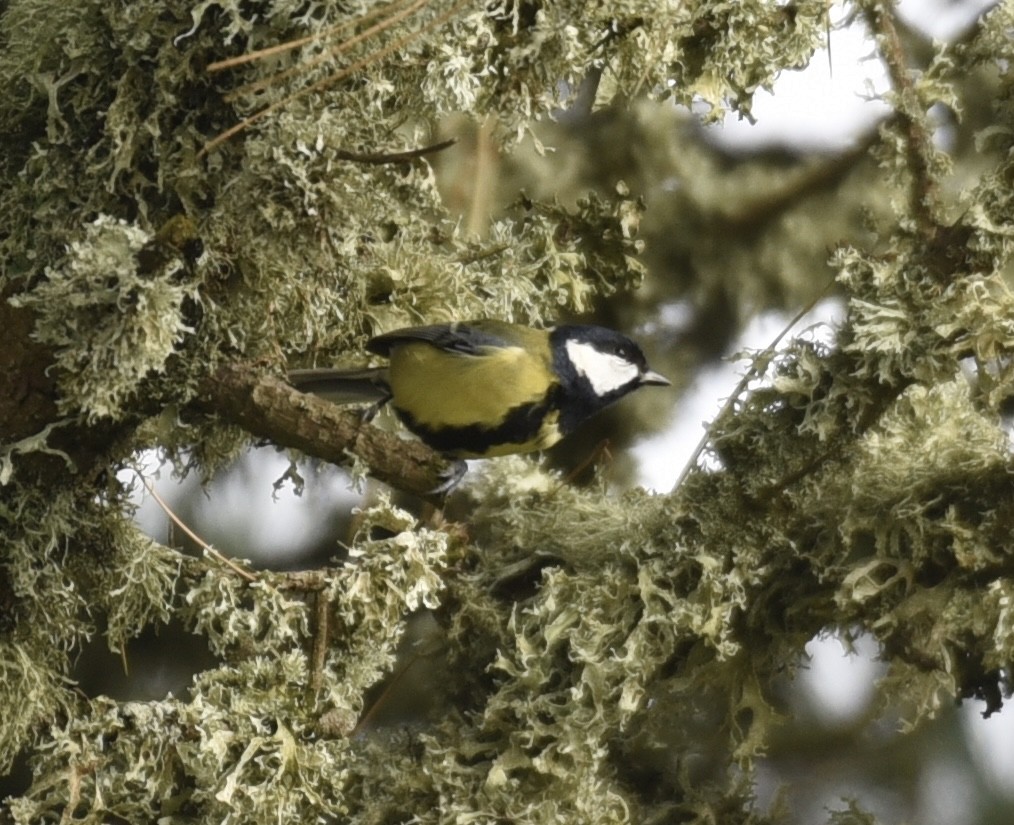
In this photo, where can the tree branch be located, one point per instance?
(805, 180)
(924, 196)
(266, 406)
(28, 406)
(380, 158)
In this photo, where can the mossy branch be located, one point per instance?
(266, 406)
(924, 196)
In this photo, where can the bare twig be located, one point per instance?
(750, 374)
(482, 254)
(289, 45)
(601, 450)
(207, 548)
(329, 80)
(339, 48)
(373, 709)
(379, 158)
(320, 639)
(924, 196)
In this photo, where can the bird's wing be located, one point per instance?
(464, 338)
(351, 386)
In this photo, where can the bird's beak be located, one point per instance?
(652, 377)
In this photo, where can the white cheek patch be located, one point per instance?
(605, 372)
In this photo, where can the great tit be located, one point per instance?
(488, 388)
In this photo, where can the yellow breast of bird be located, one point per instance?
(441, 390)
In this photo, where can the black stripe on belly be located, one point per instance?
(521, 426)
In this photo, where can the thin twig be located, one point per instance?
(373, 709)
(320, 639)
(601, 450)
(379, 158)
(332, 52)
(750, 374)
(289, 45)
(924, 197)
(482, 254)
(207, 548)
(371, 58)
(827, 38)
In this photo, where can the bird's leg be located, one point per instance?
(450, 478)
(371, 411)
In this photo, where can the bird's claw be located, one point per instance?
(450, 478)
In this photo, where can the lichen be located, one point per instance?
(611, 657)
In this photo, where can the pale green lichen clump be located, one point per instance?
(104, 319)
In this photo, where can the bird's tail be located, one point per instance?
(354, 386)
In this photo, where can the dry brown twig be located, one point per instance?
(396, 12)
(924, 195)
(207, 548)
